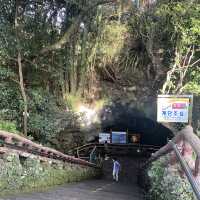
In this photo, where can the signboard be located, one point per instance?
(135, 138)
(119, 137)
(104, 138)
(171, 108)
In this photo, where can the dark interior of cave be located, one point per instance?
(151, 133)
(120, 117)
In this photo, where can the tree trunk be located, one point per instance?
(21, 80)
(20, 71)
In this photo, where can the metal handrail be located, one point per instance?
(129, 145)
(185, 136)
(187, 170)
(92, 153)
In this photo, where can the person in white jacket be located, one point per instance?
(116, 169)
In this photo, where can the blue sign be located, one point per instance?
(119, 137)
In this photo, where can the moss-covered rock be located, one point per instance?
(27, 174)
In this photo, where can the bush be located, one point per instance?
(167, 184)
(10, 102)
(8, 126)
(47, 119)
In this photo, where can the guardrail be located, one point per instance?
(180, 141)
(22, 144)
(93, 154)
(109, 147)
(187, 171)
(101, 145)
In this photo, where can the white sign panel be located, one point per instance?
(173, 108)
(104, 137)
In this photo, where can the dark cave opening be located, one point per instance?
(118, 117)
(151, 132)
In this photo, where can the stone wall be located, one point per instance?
(20, 174)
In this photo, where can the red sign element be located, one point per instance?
(179, 105)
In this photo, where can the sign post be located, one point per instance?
(174, 108)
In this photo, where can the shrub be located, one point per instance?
(166, 182)
(8, 126)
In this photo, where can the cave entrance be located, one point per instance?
(142, 131)
(123, 118)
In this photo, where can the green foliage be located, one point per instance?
(46, 118)
(112, 40)
(169, 34)
(192, 87)
(6, 74)
(8, 126)
(10, 101)
(73, 102)
(50, 76)
(106, 48)
(184, 21)
(167, 184)
(193, 84)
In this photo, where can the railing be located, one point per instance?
(108, 146)
(93, 154)
(108, 149)
(21, 145)
(187, 171)
(181, 141)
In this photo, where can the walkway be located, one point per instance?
(102, 189)
(87, 190)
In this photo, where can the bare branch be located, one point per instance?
(185, 69)
(197, 61)
(186, 56)
(191, 56)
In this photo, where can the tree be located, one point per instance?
(169, 32)
(38, 42)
